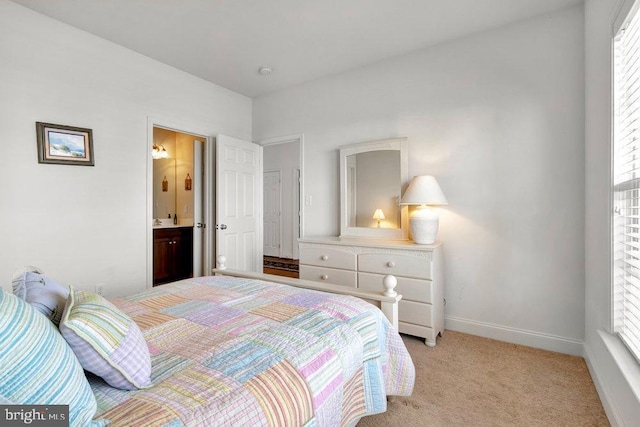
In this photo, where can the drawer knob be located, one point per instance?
(324, 277)
(391, 264)
(324, 257)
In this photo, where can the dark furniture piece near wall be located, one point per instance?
(172, 254)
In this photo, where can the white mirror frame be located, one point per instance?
(399, 144)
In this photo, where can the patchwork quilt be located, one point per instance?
(231, 351)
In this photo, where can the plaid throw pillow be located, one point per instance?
(106, 341)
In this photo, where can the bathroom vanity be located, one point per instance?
(172, 254)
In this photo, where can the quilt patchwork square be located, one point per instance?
(207, 293)
(283, 395)
(242, 360)
(163, 301)
(189, 389)
(213, 314)
(151, 320)
(277, 311)
(138, 412)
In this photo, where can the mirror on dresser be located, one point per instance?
(372, 176)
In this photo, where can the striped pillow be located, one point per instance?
(106, 341)
(38, 367)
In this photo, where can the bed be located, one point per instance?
(228, 350)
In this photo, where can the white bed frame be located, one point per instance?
(387, 299)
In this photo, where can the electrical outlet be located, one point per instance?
(100, 289)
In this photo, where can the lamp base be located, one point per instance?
(424, 223)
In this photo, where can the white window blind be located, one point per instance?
(626, 183)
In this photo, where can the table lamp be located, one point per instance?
(424, 221)
(378, 215)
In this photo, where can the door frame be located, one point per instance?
(296, 227)
(299, 138)
(207, 200)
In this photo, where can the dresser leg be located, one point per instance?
(430, 343)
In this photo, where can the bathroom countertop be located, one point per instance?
(168, 223)
(172, 226)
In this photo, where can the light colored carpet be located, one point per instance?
(472, 381)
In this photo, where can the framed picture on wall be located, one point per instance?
(64, 145)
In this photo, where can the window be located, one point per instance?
(626, 182)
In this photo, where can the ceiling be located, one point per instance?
(227, 41)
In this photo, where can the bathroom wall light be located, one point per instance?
(159, 152)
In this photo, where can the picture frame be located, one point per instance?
(64, 145)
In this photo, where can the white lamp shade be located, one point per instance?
(423, 190)
(378, 214)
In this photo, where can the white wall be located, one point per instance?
(88, 225)
(498, 118)
(615, 372)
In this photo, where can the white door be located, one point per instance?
(272, 213)
(239, 203)
(198, 218)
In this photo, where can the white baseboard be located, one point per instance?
(516, 336)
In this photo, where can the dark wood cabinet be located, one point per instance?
(172, 254)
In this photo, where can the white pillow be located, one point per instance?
(42, 293)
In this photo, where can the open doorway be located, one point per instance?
(177, 205)
(282, 219)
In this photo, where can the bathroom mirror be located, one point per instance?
(372, 176)
(164, 188)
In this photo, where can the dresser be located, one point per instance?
(362, 263)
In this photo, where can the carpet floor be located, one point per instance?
(467, 380)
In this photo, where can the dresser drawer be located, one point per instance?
(415, 313)
(329, 275)
(328, 257)
(410, 289)
(398, 265)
